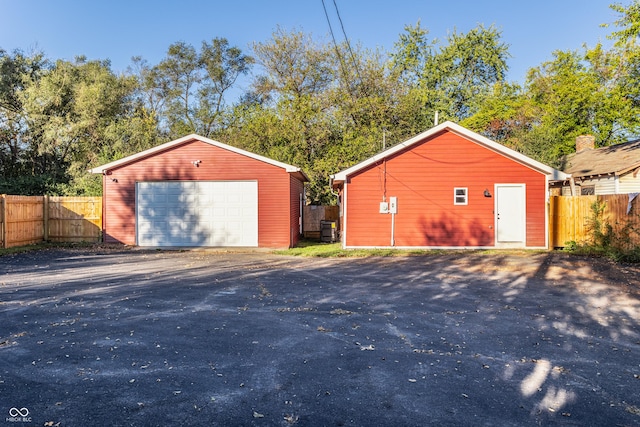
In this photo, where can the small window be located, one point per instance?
(588, 190)
(460, 196)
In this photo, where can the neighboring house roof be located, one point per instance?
(613, 160)
(465, 133)
(193, 137)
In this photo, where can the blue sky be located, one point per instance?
(117, 29)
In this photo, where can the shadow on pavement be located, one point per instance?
(197, 338)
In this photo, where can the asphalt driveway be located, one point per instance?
(136, 338)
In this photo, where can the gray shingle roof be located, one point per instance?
(615, 159)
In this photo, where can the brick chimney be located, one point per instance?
(584, 142)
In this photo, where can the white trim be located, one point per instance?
(135, 219)
(343, 219)
(508, 245)
(162, 147)
(300, 218)
(455, 196)
(465, 133)
(546, 212)
(426, 248)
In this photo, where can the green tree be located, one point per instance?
(594, 91)
(505, 114)
(627, 48)
(322, 107)
(187, 89)
(22, 169)
(573, 94)
(628, 23)
(293, 66)
(449, 78)
(289, 118)
(71, 112)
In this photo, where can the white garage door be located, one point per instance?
(197, 213)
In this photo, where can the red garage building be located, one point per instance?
(198, 192)
(447, 187)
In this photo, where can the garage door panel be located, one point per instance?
(154, 212)
(191, 199)
(218, 198)
(183, 186)
(234, 198)
(197, 213)
(234, 211)
(174, 199)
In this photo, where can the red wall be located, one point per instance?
(274, 189)
(423, 179)
(296, 190)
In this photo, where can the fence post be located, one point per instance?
(3, 219)
(45, 218)
(550, 213)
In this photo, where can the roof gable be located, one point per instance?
(189, 138)
(613, 160)
(463, 132)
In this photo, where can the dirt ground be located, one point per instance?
(121, 337)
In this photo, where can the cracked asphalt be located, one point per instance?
(121, 337)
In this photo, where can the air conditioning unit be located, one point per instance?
(328, 231)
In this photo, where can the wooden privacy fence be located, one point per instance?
(312, 217)
(32, 219)
(26, 220)
(570, 217)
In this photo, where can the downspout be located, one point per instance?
(393, 229)
(340, 212)
(572, 185)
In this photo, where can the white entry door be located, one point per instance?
(511, 215)
(197, 213)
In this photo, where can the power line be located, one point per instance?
(353, 58)
(335, 44)
(356, 66)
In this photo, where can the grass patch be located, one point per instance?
(23, 249)
(617, 243)
(42, 246)
(312, 248)
(305, 248)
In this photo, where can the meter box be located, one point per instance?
(393, 205)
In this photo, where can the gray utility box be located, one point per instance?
(328, 231)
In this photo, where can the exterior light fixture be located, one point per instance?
(487, 193)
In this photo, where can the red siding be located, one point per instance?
(216, 164)
(297, 188)
(423, 179)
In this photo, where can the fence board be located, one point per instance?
(3, 236)
(314, 215)
(331, 213)
(74, 219)
(23, 220)
(27, 220)
(570, 217)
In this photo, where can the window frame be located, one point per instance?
(465, 190)
(588, 190)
